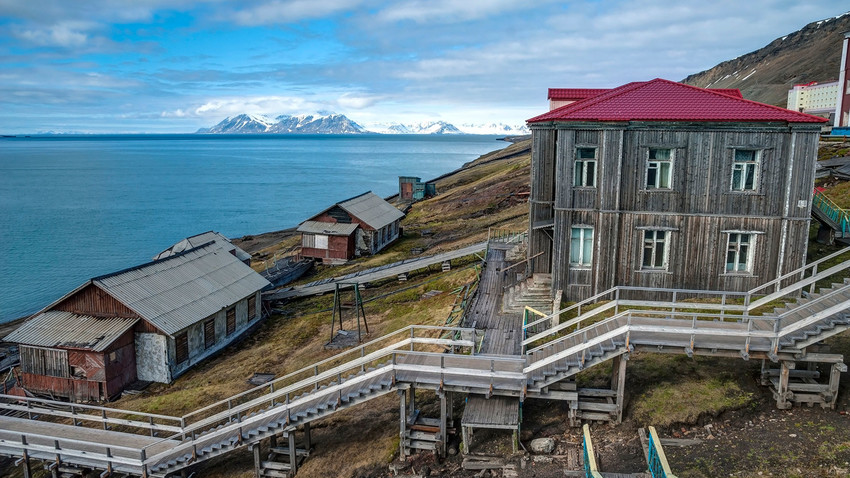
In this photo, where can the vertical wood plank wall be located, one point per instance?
(697, 210)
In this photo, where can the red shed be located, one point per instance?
(362, 225)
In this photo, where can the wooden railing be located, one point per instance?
(590, 468)
(828, 207)
(743, 305)
(656, 459)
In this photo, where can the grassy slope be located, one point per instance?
(366, 435)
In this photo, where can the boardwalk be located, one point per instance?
(376, 273)
(502, 336)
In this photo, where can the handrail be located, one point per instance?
(590, 468)
(826, 205)
(359, 349)
(656, 459)
(812, 265)
(282, 408)
(745, 310)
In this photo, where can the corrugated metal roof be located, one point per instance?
(57, 328)
(664, 100)
(371, 209)
(329, 228)
(176, 292)
(575, 93)
(200, 239)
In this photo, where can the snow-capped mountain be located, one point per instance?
(442, 127)
(286, 124)
(340, 124)
(494, 128)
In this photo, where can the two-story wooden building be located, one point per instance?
(151, 322)
(661, 184)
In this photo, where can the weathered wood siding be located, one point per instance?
(92, 300)
(698, 210)
(195, 332)
(542, 197)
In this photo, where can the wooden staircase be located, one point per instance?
(534, 292)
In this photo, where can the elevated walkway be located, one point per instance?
(447, 360)
(377, 273)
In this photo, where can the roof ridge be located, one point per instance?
(768, 112)
(581, 104)
(148, 264)
(352, 198)
(742, 99)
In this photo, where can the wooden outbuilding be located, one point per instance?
(151, 322)
(661, 184)
(362, 225)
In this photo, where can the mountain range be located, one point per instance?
(340, 124)
(812, 53)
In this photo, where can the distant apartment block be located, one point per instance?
(828, 99)
(814, 98)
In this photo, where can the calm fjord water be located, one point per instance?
(72, 208)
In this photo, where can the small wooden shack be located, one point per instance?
(411, 188)
(658, 184)
(151, 322)
(210, 236)
(359, 226)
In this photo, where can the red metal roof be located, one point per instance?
(665, 100)
(575, 93)
(728, 92)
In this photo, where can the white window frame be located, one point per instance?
(655, 163)
(582, 165)
(741, 167)
(321, 241)
(583, 255)
(651, 242)
(734, 245)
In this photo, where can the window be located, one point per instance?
(654, 250)
(209, 332)
(315, 241)
(739, 252)
(659, 169)
(581, 246)
(231, 321)
(585, 168)
(745, 168)
(181, 347)
(252, 307)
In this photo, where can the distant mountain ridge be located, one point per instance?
(340, 124)
(812, 53)
(286, 124)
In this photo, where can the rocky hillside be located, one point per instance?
(812, 53)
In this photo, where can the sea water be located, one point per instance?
(75, 207)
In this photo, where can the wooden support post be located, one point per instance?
(412, 401)
(258, 463)
(293, 456)
(308, 440)
(834, 379)
(402, 411)
(618, 382)
(466, 433)
(451, 412)
(443, 432)
(515, 440)
(782, 393)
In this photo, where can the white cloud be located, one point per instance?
(448, 11)
(357, 102)
(64, 34)
(288, 11)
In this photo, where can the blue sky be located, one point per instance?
(172, 66)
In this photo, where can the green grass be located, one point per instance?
(666, 404)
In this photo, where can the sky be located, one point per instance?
(173, 66)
